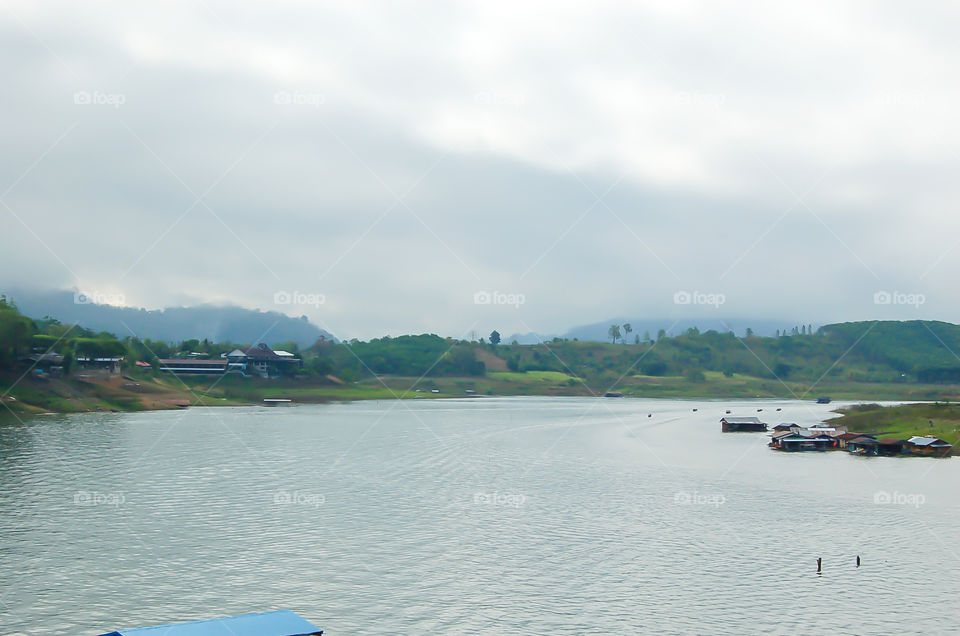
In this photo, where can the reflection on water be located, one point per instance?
(519, 515)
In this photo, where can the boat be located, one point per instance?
(276, 623)
(824, 399)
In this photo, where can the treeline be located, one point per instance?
(423, 355)
(882, 351)
(888, 351)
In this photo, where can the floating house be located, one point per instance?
(279, 623)
(824, 399)
(863, 445)
(927, 445)
(803, 440)
(786, 426)
(843, 439)
(890, 446)
(742, 424)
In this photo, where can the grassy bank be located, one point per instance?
(939, 419)
(146, 390)
(94, 391)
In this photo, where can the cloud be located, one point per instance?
(398, 159)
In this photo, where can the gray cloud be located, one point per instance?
(594, 159)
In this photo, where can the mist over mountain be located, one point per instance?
(226, 323)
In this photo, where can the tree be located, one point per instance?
(749, 332)
(627, 328)
(636, 340)
(614, 333)
(646, 336)
(68, 358)
(494, 338)
(661, 334)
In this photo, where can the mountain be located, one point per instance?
(174, 324)
(527, 338)
(598, 330)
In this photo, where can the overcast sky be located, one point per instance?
(584, 161)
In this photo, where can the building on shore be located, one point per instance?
(192, 366)
(262, 361)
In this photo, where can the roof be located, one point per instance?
(784, 426)
(278, 623)
(260, 351)
(56, 358)
(849, 436)
(801, 437)
(928, 440)
(741, 420)
(890, 441)
(863, 439)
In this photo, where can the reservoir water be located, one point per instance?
(501, 515)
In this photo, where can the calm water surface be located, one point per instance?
(513, 515)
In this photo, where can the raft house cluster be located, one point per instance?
(821, 437)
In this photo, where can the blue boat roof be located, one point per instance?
(278, 623)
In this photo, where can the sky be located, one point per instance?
(462, 167)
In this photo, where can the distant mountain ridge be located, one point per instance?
(227, 323)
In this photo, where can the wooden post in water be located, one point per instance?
(819, 564)
(858, 560)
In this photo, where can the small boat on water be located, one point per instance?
(613, 394)
(824, 399)
(276, 401)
